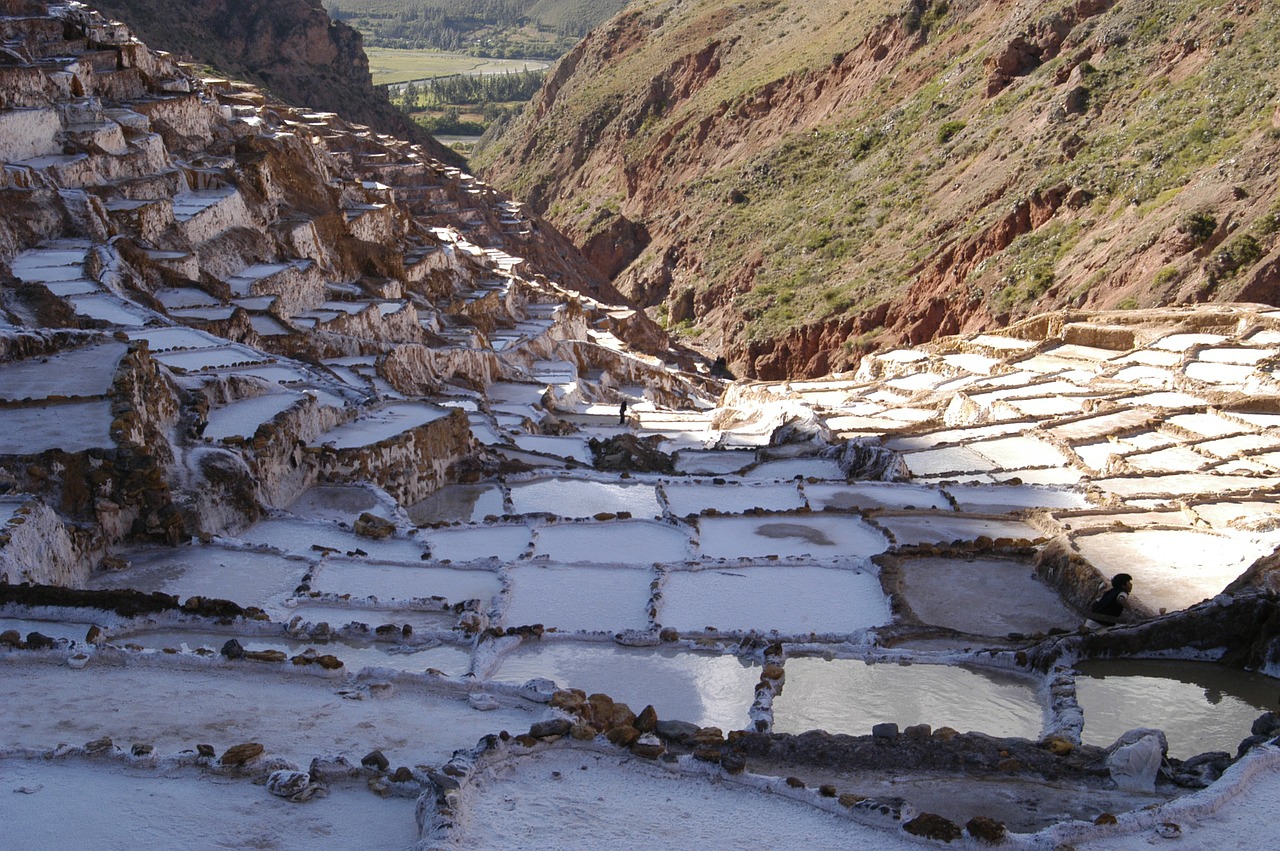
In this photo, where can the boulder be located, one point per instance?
(372, 526)
(242, 754)
(933, 826)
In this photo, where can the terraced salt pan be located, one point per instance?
(69, 630)
(1219, 373)
(69, 426)
(579, 597)
(1093, 428)
(452, 503)
(303, 537)
(873, 495)
(789, 468)
(1053, 477)
(404, 583)
(1171, 569)
(1169, 460)
(1258, 420)
(60, 263)
(615, 542)
(567, 497)
(1235, 355)
(1183, 342)
(684, 499)
(86, 371)
(213, 358)
(62, 289)
(1148, 376)
(381, 424)
(1264, 514)
(1003, 500)
(162, 804)
(483, 430)
(793, 600)
(243, 417)
(226, 707)
(950, 436)
(1200, 706)
(983, 596)
(707, 690)
(573, 448)
(168, 339)
(447, 658)
(1014, 452)
(1048, 407)
(247, 578)
(789, 535)
(110, 309)
(335, 615)
(339, 503)
(950, 459)
(505, 543)
(1229, 447)
(1185, 484)
(1209, 425)
(909, 529)
(712, 462)
(850, 696)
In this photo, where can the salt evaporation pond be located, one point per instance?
(411, 725)
(472, 543)
(1200, 706)
(872, 495)
(703, 689)
(1171, 568)
(450, 659)
(69, 630)
(684, 499)
(246, 578)
(339, 503)
(584, 498)
(397, 582)
(697, 462)
(616, 542)
(69, 426)
(789, 535)
(570, 798)
(573, 448)
(850, 696)
(303, 537)
(243, 418)
(789, 468)
(381, 424)
(579, 597)
(909, 529)
(793, 600)
(465, 503)
(958, 594)
(163, 804)
(1009, 498)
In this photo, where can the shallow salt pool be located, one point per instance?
(712, 463)
(1008, 498)
(69, 630)
(909, 529)
(302, 537)
(246, 578)
(339, 503)
(789, 535)
(1200, 706)
(565, 497)
(243, 418)
(684, 499)
(983, 596)
(579, 597)
(1171, 568)
(447, 658)
(707, 690)
(572, 448)
(338, 616)
(793, 600)
(465, 503)
(505, 543)
(382, 423)
(872, 495)
(789, 468)
(615, 542)
(395, 582)
(850, 696)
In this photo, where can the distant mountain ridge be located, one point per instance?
(792, 184)
(290, 47)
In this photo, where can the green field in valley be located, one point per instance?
(400, 66)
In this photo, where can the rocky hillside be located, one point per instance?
(793, 184)
(291, 47)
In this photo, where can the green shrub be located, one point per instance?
(948, 130)
(1199, 226)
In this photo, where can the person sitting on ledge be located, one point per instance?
(1109, 608)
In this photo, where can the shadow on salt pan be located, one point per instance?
(465, 503)
(789, 535)
(850, 696)
(1009, 498)
(337, 503)
(792, 600)
(579, 598)
(910, 529)
(1200, 706)
(958, 594)
(710, 691)
(615, 542)
(872, 495)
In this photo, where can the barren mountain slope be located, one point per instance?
(794, 183)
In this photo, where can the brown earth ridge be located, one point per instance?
(793, 185)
